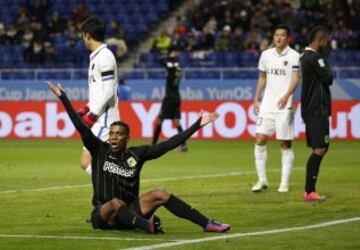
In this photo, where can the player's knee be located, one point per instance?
(261, 140)
(320, 151)
(161, 194)
(285, 144)
(116, 203)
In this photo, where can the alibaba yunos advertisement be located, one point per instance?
(34, 119)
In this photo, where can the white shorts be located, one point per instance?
(101, 132)
(280, 123)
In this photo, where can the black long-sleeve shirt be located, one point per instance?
(173, 79)
(119, 176)
(316, 80)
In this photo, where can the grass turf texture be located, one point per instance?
(32, 164)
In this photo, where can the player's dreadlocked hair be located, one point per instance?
(122, 124)
(95, 27)
(316, 32)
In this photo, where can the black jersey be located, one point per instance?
(118, 176)
(173, 79)
(316, 78)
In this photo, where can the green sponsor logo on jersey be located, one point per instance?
(131, 162)
(327, 139)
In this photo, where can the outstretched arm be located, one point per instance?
(87, 136)
(165, 146)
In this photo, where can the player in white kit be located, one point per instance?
(279, 76)
(102, 108)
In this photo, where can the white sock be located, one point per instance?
(88, 169)
(287, 162)
(260, 161)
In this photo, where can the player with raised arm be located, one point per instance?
(279, 75)
(102, 108)
(116, 177)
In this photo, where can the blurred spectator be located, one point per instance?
(40, 32)
(227, 20)
(178, 42)
(12, 36)
(51, 54)
(211, 25)
(22, 19)
(223, 42)
(191, 43)
(180, 27)
(38, 9)
(35, 53)
(2, 34)
(117, 39)
(241, 19)
(162, 42)
(72, 34)
(302, 39)
(56, 24)
(253, 41)
(79, 14)
(27, 37)
(206, 40)
(237, 40)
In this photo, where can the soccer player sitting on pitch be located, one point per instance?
(279, 75)
(116, 177)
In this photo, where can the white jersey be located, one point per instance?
(103, 84)
(278, 69)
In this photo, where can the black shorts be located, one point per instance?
(170, 108)
(317, 132)
(98, 223)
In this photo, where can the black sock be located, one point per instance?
(180, 129)
(131, 219)
(183, 210)
(312, 171)
(156, 134)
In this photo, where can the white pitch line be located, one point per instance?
(238, 235)
(65, 237)
(191, 177)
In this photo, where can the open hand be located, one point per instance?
(282, 102)
(205, 119)
(56, 89)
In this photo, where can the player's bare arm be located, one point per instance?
(294, 82)
(259, 88)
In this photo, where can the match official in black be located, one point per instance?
(170, 107)
(316, 104)
(116, 177)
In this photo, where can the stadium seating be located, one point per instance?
(137, 18)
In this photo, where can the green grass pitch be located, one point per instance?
(214, 176)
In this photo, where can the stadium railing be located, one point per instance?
(153, 73)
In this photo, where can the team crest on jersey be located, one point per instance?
(285, 63)
(326, 139)
(131, 162)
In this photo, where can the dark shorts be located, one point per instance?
(317, 132)
(170, 108)
(98, 223)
